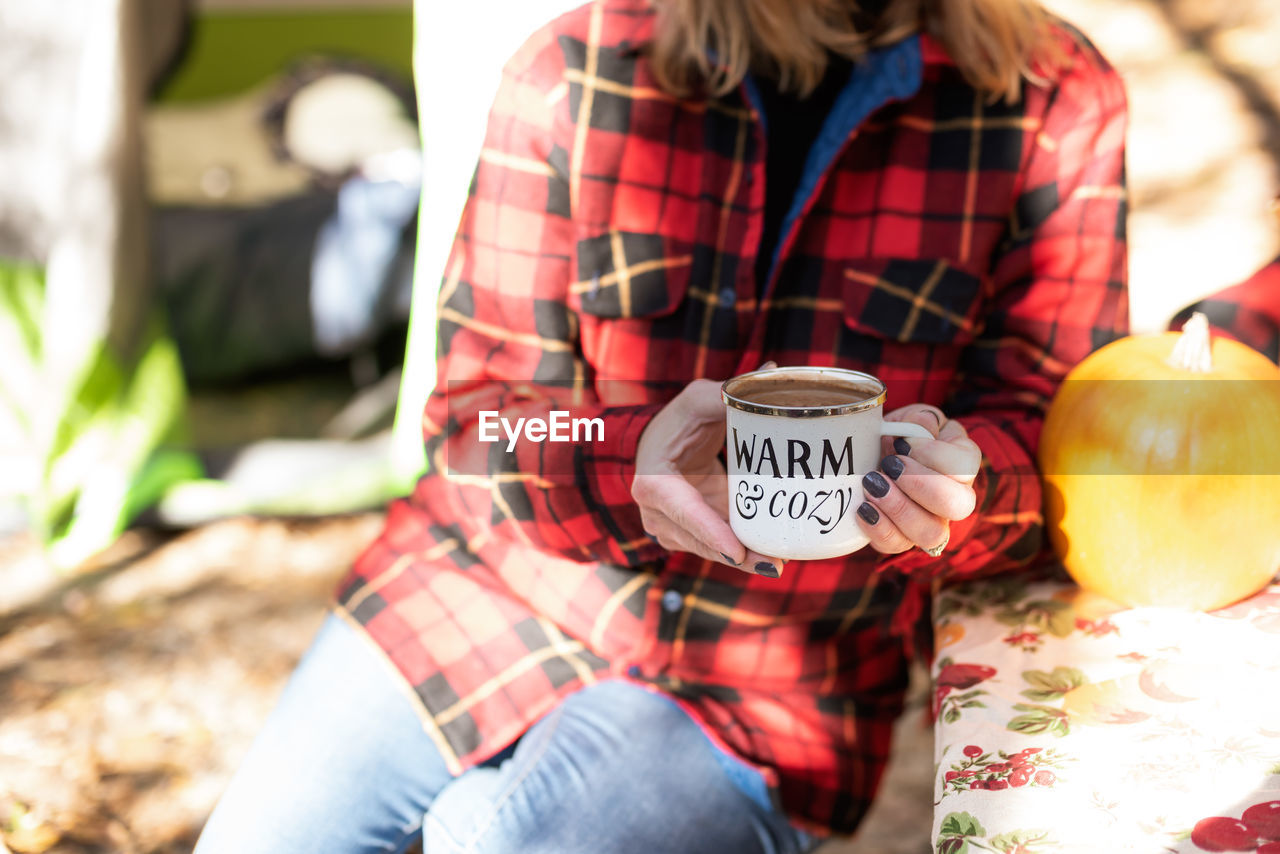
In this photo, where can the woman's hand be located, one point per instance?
(922, 485)
(681, 486)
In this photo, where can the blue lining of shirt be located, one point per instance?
(753, 97)
(883, 75)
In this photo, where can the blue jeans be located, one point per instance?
(344, 765)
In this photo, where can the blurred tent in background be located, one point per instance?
(197, 201)
(286, 174)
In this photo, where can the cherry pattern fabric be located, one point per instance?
(1096, 727)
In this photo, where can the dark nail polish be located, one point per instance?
(730, 560)
(875, 483)
(891, 466)
(902, 446)
(868, 513)
(768, 570)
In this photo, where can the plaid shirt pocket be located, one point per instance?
(629, 293)
(623, 274)
(913, 301)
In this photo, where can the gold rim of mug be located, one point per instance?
(804, 411)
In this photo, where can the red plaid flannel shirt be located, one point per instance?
(1248, 312)
(966, 252)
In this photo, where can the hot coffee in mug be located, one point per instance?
(799, 442)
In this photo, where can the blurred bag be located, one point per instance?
(319, 276)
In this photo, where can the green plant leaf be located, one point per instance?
(960, 824)
(21, 299)
(1039, 719)
(1042, 696)
(1057, 682)
(1062, 623)
(101, 465)
(1011, 616)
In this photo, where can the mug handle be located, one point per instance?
(905, 429)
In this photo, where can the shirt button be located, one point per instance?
(672, 601)
(728, 297)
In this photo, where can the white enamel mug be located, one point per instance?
(795, 472)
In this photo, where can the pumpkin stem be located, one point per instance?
(1191, 352)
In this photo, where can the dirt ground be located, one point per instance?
(129, 691)
(128, 694)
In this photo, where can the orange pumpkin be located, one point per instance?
(1161, 463)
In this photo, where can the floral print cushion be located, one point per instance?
(1066, 722)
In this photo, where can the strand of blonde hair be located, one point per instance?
(709, 46)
